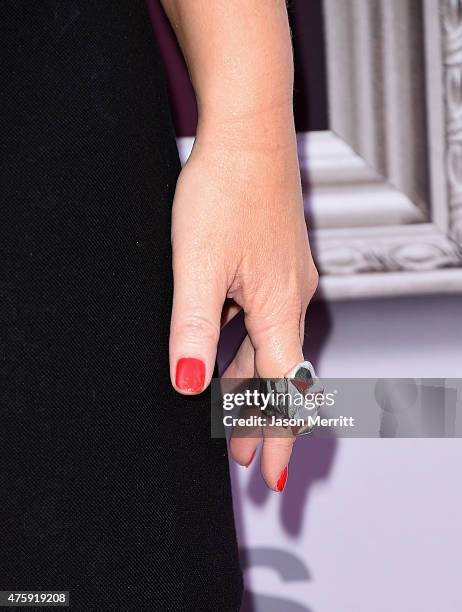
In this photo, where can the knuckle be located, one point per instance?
(283, 443)
(197, 326)
(281, 318)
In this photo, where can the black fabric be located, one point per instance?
(110, 485)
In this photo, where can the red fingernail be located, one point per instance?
(251, 458)
(281, 483)
(190, 374)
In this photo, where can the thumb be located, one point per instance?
(194, 330)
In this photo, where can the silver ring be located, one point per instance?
(295, 395)
(302, 369)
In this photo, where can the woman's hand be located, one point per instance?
(238, 223)
(239, 232)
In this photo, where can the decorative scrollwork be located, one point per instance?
(418, 255)
(452, 64)
(452, 14)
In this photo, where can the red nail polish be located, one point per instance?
(190, 374)
(251, 459)
(281, 483)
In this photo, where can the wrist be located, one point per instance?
(244, 128)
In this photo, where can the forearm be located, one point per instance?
(239, 56)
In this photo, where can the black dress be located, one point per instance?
(110, 485)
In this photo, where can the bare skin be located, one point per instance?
(238, 223)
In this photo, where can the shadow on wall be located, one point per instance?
(286, 566)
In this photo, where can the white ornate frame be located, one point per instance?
(383, 187)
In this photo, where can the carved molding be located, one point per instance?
(451, 16)
(382, 56)
(420, 249)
